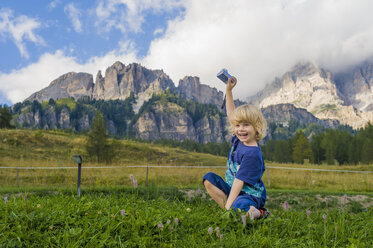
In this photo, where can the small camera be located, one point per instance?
(223, 75)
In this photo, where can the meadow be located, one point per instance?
(168, 217)
(39, 207)
(29, 148)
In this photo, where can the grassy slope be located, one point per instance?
(56, 148)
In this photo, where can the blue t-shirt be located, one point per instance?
(247, 164)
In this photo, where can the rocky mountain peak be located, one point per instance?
(68, 85)
(356, 84)
(62, 79)
(314, 89)
(307, 69)
(191, 88)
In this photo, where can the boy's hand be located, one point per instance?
(230, 84)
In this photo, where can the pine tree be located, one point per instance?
(281, 153)
(366, 152)
(302, 149)
(354, 150)
(318, 153)
(329, 145)
(343, 140)
(5, 117)
(97, 143)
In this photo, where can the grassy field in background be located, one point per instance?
(56, 148)
(20, 148)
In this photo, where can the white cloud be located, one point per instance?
(20, 84)
(259, 40)
(20, 29)
(158, 31)
(130, 14)
(74, 15)
(53, 4)
(255, 40)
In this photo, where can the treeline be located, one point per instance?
(333, 146)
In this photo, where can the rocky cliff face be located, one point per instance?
(191, 88)
(315, 90)
(120, 81)
(283, 113)
(68, 85)
(171, 121)
(50, 118)
(356, 85)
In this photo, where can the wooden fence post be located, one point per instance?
(17, 177)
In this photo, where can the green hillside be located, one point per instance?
(56, 148)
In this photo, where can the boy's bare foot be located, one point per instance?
(253, 213)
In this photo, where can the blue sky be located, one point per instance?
(73, 26)
(255, 40)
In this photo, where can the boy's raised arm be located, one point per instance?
(229, 97)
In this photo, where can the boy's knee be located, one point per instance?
(207, 183)
(209, 176)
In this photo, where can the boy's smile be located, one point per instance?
(245, 132)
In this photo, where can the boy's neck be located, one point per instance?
(251, 143)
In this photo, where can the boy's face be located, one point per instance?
(245, 132)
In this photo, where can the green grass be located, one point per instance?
(59, 219)
(67, 101)
(53, 148)
(52, 216)
(323, 108)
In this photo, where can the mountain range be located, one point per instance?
(346, 97)
(306, 94)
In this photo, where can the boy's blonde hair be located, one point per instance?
(249, 114)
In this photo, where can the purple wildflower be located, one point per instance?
(243, 218)
(176, 221)
(131, 176)
(190, 195)
(210, 230)
(198, 191)
(25, 197)
(308, 213)
(168, 222)
(134, 183)
(324, 216)
(286, 206)
(217, 230)
(160, 226)
(221, 237)
(344, 198)
(123, 212)
(345, 221)
(6, 200)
